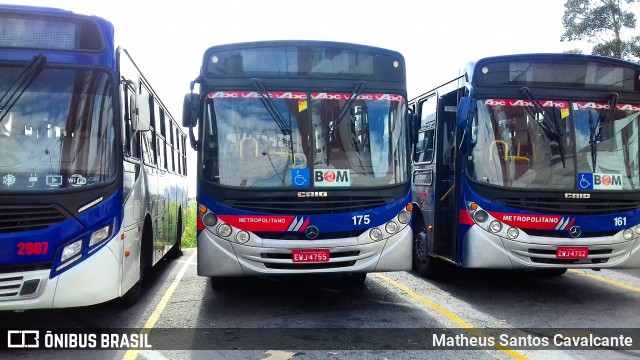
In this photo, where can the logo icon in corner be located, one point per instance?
(575, 231)
(311, 232)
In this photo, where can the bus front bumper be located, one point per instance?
(481, 249)
(220, 257)
(95, 280)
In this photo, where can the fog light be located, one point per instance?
(224, 230)
(512, 233)
(627, 234)
(480, 216)
(375, 234)
(495, 226)
(391, 227)
(71, 250)
(99, 235)
(209, 219)
(404, 217)
(242, 237)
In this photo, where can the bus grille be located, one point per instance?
(16, 218)
(305, 206)
(561, 207)
(302, 236)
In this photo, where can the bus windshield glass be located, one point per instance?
(58, 133)
(562, 144)
(244, 144)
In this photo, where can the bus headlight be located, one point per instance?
(224, 230)
(512, 233)
(375, 234)
(99, 235)
(242, 237)
(495, 226)
(638, 229)
(627, 234)
(71, 250)
(209, 219)
(391, 227)
(404, 217)
(480, 216)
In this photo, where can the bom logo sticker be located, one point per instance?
(331, 178)
(599, 181)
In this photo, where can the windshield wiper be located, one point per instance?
(551, 127)
(595, 127)
(277, 117)
(346, 107)
(357, 89)
(268, 104)
(20, 84)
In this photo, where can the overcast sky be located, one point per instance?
(167, 38)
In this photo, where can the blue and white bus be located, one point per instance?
(302, 160)
(529, 162)
(92, 172)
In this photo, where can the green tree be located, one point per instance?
(601, 23)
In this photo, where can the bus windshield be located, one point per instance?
(245, 144)
(564, 145)
(59, 132)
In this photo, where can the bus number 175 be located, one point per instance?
(360, 219)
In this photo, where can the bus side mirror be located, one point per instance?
(414, 124)
(140, 112)
(190, 110)
(464, 109)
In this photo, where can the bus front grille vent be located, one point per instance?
(17, 218)
(302, 236)
(548, 205)
(287, 205)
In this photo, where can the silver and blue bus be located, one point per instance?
(529, 162)
(302, 160)
(93, 170)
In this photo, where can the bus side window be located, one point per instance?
(427, 132)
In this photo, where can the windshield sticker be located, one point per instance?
(604, 106)
(514, 102)
(564, 113)
(302, 105)
(367, 97)
(331, 178)
(301, 177)
(266, 223)
(255, 95)
(596, 181)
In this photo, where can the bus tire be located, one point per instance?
(425, 265)
(219, 283)
(176, 250)
(355, 279)
(551, 272)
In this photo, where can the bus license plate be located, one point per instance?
(572, 252)
(312, 256)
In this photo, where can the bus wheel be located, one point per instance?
(176, 250)
(221, 282)
(551, 272)
(355, 279)
(425, 265)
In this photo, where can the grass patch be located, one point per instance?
(189, 236)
